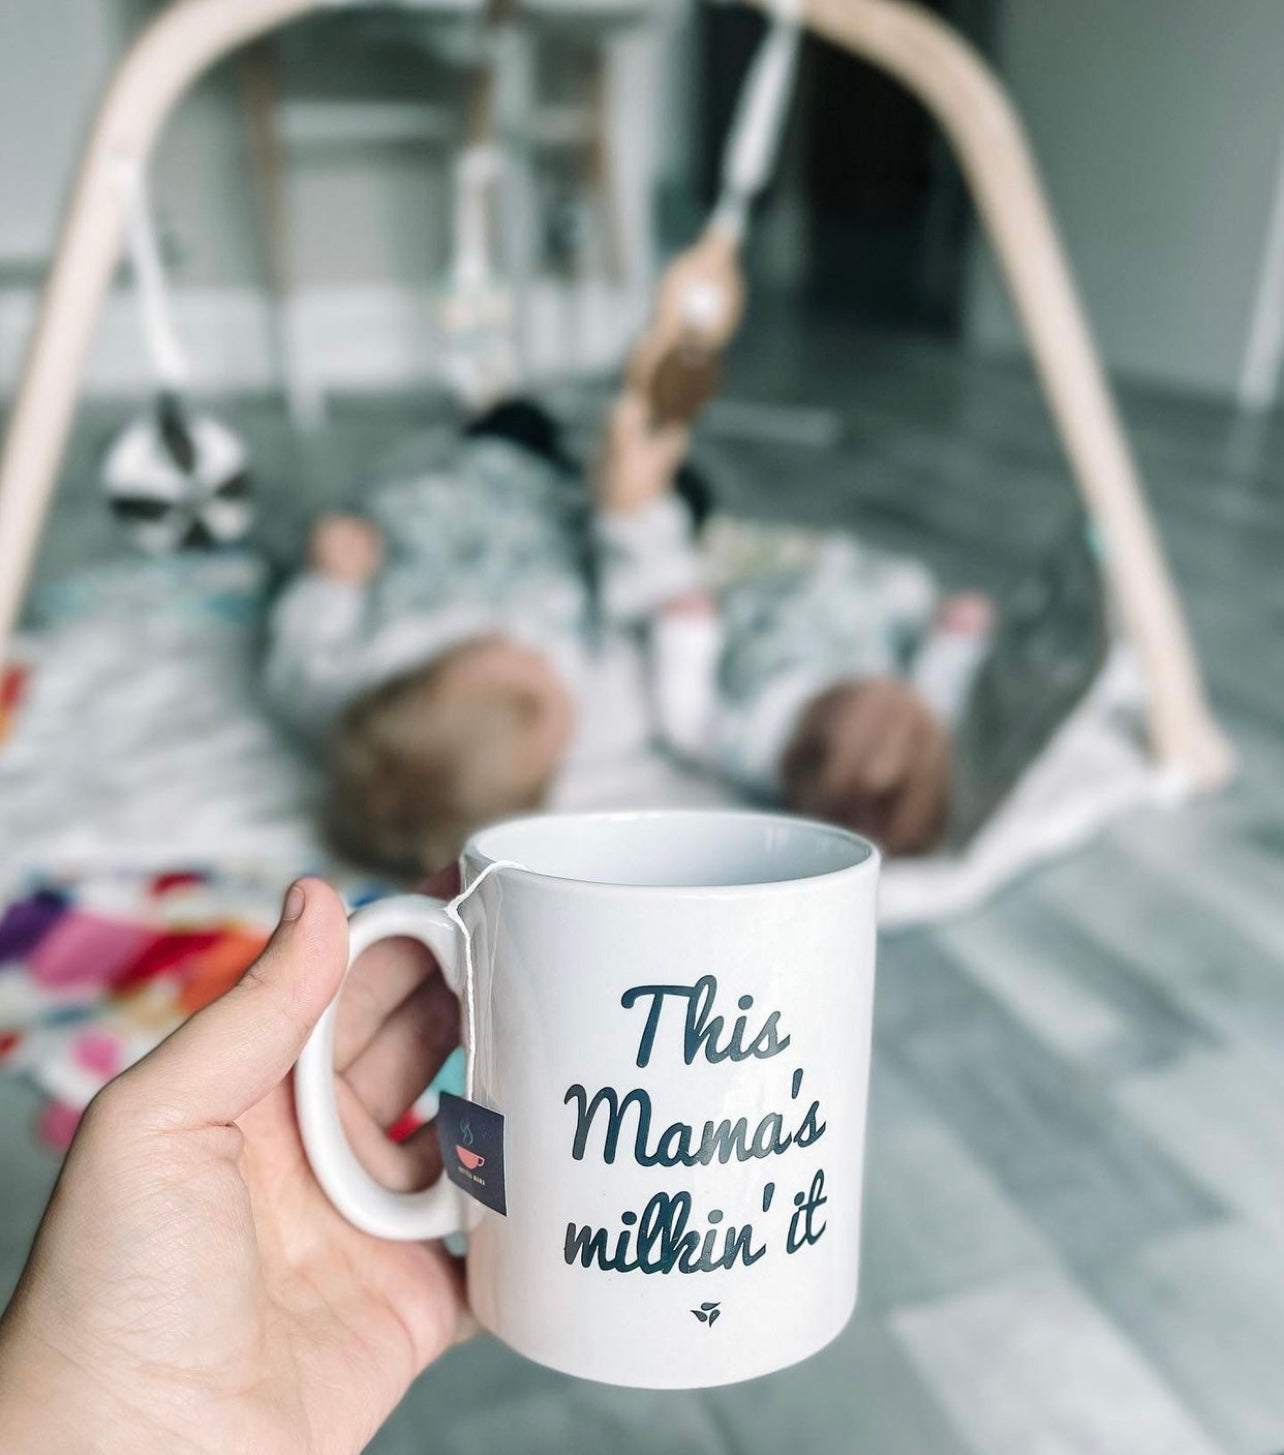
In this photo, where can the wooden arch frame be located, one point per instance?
(923, 53)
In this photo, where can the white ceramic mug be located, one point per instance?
(671, 1013)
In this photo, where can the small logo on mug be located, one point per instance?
(708, 1313)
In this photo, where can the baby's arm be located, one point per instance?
(646, 548)
(653, 581)
(315, 629)
(646, 557)
(686, 639)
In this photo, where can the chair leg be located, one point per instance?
(181, 44)
(953, 82)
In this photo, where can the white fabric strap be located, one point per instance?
(476, 172)
(759, 123)
(165, 352)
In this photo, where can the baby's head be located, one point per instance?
(425, 759)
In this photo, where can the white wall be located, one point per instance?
(43, 111)
(1157, 125)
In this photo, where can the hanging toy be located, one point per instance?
(173, 478)
(477, 314)
(677, 363)
(479, 360)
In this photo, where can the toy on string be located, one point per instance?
(477, 313)
(676, 364)
(174, 478)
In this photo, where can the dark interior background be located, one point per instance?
(885, 210)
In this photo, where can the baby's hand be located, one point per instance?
(638, 463)
(873, 757)
(345, 548)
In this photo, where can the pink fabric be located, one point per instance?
(100, 1053)
(57, 1125)
(86, 949)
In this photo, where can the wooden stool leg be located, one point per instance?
(957, 87)
(184, 42)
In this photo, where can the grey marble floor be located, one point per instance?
(1074, 1239)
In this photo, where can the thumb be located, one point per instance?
(227, 1058)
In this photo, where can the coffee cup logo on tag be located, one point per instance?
(472, 1149)
(683, 1025)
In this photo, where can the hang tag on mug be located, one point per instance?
(472, 1149)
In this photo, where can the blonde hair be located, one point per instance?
(417, 765)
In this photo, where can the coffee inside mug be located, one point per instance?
(713, 850)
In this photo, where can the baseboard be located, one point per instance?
(349, 339)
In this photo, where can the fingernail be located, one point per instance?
(295, 899)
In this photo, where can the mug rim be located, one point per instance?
(867, 866)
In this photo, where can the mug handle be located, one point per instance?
(438, 1210)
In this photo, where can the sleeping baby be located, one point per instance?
(496, 616)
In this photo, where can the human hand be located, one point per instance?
(346, 548)
(638, 462)
(873, 757)
(190, 1288)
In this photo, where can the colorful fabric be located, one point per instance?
(93, 973)
(13, 681)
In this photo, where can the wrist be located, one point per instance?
(50, 1405)
(626, 489)
(341, 573)
(617, 502)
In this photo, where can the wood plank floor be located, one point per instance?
(1075, 1214)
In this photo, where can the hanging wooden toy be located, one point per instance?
(677, 362)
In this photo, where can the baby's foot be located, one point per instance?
(872, 756)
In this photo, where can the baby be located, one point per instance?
(495, 617)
